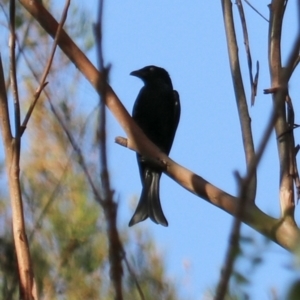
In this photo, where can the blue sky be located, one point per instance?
(188, 39)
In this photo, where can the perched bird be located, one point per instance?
(156, 111)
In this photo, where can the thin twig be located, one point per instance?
(20, 45)
(116, 252)
(43, 82)
(69, 135)
(248, 52)
(256, 10)
(52, 196)
(133, 275)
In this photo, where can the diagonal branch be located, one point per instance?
(280, 231)
(256, 10)
(43, 82)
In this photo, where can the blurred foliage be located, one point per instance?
(65, 225)
(294, 291)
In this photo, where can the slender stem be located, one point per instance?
(240, 96)
(12, 155)
(253, 83)
(116, 252)
(256, 10)
(47, 68)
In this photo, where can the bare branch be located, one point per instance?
(243, 184)
(116, 252)
(28, 287)
(241, 101)
(282, 231)
(43, 82)
(21, 45)
(248, 52)
(233, 247)
(279, 80)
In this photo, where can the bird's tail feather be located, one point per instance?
(149, 203)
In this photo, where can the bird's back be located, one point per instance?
(155, 111)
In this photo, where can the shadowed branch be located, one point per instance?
(282, 231)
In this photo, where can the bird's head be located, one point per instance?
(153, 75)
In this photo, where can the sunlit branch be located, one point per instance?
(279, 81)
(240, 96)
(282, 231)
(249, 190)
(28, 289)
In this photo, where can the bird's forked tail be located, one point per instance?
(149, 203)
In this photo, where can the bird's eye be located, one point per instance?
(151, 69)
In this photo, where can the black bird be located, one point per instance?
(156, 111)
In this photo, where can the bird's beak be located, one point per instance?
(137, 73)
